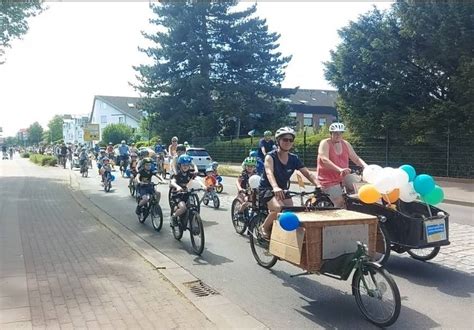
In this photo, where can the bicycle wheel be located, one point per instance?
(177, 229)
(382, 246)
(376, 294)
(424, 254)
(107, 186)
(219, 188)
(196, 230)
(216, 202)
(237, 219)
(194, 200)
(156, 216)
(260, 245)
(85, 173)
(205, 200)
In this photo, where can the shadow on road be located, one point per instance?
(333, 309)
(449, 281)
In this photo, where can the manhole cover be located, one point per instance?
(200, 288)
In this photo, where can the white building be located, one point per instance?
(72, 128)
(115, 109)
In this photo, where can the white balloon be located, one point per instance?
(408, 193)
(254, 181)
(385, 181)
(370, 173)
(401, 178)
(195, 183)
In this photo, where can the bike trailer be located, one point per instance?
(412, 225)
(322, 236)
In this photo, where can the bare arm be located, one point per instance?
(310, 176)
(238, 184)
(270, 174)
(174, 185)
(354, 157)
(263, 151)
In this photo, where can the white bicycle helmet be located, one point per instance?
(337, 127)
(283, 131)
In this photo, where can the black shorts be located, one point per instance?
(264, 196)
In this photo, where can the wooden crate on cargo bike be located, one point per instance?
(323, 235)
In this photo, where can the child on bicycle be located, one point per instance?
(179, 182)
(106, 169)
(249, 168)
(83, 158)
(145, 187)
(211, 179)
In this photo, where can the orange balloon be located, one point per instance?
(392, 196)
(369, 194)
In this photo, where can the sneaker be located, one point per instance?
(264, 234)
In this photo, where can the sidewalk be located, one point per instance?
(456, 191)
(60, 268)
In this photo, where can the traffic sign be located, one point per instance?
(91, 132)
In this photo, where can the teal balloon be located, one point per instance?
(436, 196)
(410, 171)
(289, 221)
(423, 184)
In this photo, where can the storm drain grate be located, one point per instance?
(200, 288)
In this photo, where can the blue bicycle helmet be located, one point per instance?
(185, 160)
(253, 154)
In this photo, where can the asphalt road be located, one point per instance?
(432, 295)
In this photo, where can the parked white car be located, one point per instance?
(200, 157)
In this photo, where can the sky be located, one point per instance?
(75, 50)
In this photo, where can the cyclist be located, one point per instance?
(100, 159)
(63, 153)
(124, 151)
(180, 150)
(179, 182)
(83, 158)
(160, 151)
(10, 150)
(133, 168)
(249, 168)
(265, 145)
(333, 163)
(106, 169)
(145, 188)
(280, 165)
(110, 151)
(133, 148)
(172, 146)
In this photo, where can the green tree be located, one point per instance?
(116, 132)
(213, 65)
(14, 20)
(55, 126)
(407, 70)
(35, 133)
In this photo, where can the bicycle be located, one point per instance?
(123, 165)
(152, 208)
(376, 294)
(84, 169)
(190, 220)
(211, 195)
(107, 183)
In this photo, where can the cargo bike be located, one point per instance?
(417, 228)
(324, 244)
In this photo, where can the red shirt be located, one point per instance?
(328, 177)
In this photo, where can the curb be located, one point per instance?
(218, 309)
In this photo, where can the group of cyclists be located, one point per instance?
(279, 164)
(7, 152)
(273, 161)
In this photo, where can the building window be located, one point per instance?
(103, 119)
(322, 122)
(103, 105)
(292, 114)
(308, 119)
(121, 120)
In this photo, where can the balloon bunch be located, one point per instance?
(401, 183)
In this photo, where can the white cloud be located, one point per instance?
(76, 50)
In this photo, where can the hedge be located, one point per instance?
(43, 160)
(25, 155)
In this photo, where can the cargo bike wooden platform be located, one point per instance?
(334, 242)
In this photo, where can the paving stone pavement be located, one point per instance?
(76, 273)
(460, 253)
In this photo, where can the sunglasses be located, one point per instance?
(287, 140)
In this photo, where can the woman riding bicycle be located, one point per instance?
(333, 163)
(279, 167)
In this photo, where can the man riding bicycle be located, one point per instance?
(279, 167)
(123, 154)
(333, 163)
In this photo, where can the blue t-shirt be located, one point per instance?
(281, 171)
(268, 145)
(159, 148)
(123, 150)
